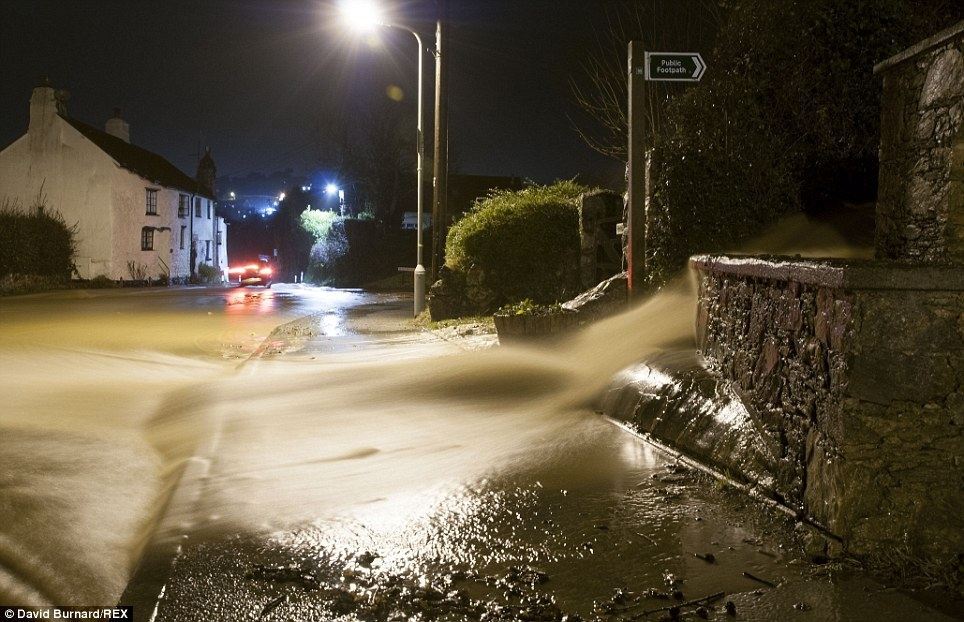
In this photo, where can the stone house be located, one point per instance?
(136, 214)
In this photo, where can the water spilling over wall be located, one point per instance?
(854, 372)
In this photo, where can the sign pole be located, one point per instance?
(636, 166)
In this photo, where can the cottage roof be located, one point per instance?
(140, 161)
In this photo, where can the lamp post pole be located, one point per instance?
(365, 13)
(419, 305)
(419, 268)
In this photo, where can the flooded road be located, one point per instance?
(301, 454)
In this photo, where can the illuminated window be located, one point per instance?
(147, 239)
(151, 201)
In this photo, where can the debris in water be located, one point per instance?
(285, 574)
(271, 605)
(801, 606)
(730, 608)
(679, 607)
(758, 579)
(707, 557)
(365, 559)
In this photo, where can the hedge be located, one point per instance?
(36, 243)
(517, 245)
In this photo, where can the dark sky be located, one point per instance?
(255, 79)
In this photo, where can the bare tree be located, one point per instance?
(372, 153)
(600, 88)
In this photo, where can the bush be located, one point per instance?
(36, 242)
(527, 307)
(101, 281)
(514, 245)
(206, 273)
(318, 223)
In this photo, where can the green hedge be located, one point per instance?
(37, 243)
(517, 245)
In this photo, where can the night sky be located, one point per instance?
(256, 79)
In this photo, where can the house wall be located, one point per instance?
(204, 232)
(223, 247)
(74, 176)
(105, 202)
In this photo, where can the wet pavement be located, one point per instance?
(322, 489)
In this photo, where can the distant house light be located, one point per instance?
(281, 197)
(271, 210)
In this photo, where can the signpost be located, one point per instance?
(673, 67)
(647, 67)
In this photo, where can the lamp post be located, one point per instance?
(364, 15)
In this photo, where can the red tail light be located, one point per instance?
(264, 271)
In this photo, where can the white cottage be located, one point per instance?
(137, 215)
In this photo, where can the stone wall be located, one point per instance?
(920, 215)
(856, 371)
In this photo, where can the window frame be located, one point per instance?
(150, 200)
(197, 207)
(183, 205)
(147, 238)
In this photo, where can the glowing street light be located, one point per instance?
(331, 189)
(361, 15)
(364, 16)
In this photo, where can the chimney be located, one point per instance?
(207, 172)
(116, 126)
(43, 108)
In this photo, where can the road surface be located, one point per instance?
(302, 454)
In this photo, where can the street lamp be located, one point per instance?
(365, 16)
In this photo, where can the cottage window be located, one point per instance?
(207, 250)
(183, 235)
(209, 210)
(219, 242)
(197, 207)
(151, 202)
(183, 206)
(147, 239)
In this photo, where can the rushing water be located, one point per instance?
(107, 396)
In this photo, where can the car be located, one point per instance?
(251, 274)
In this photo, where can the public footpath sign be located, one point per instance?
(672, 67)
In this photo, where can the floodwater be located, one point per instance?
(377, 474)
